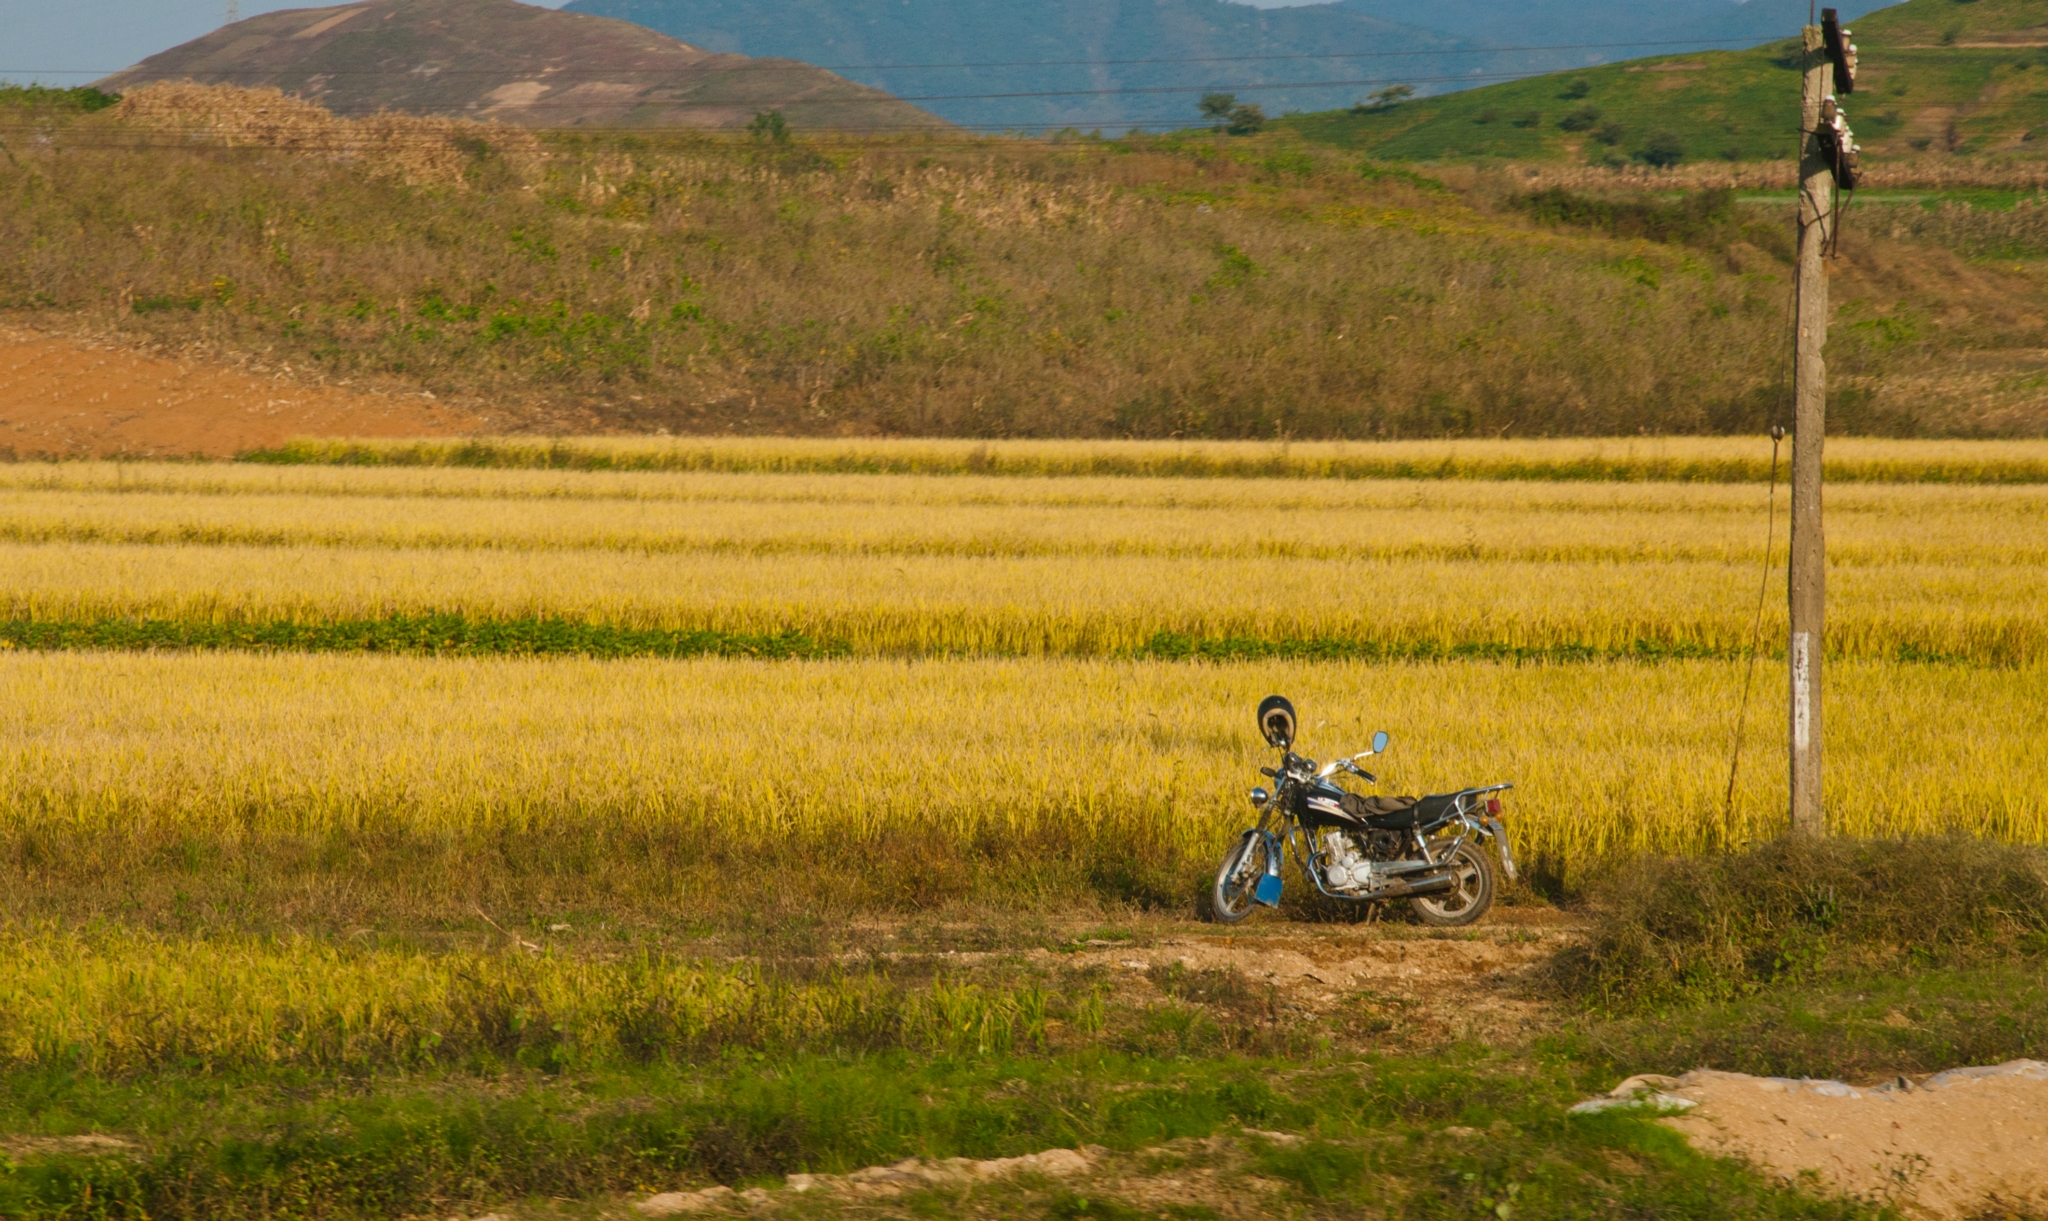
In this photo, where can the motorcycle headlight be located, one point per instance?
(1260, 797)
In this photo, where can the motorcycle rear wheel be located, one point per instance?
(1243, 866)
(1466, 902)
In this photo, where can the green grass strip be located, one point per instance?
(1156, 463)
(435, 634)
(1171, 646)
(455, 636)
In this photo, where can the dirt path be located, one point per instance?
(1948, 1146)
(63, 397)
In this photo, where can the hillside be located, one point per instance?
(1198, 286)
(1601, 23)
(1938, 76)
(515, 63)
(1085, 64)
(1075, 63)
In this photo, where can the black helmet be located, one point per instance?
(1276, 721)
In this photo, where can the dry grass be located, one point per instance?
(984, 288)
(409, 149)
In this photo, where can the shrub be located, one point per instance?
(1585, 118)
(1713, 928)
(1663, 149)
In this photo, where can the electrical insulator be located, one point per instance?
(1841, 53)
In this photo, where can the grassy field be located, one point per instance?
(1936, 77)
(1184, 287)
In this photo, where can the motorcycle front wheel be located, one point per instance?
(1243, 866)
(1468, 900)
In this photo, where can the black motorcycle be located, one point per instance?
(1428, 850)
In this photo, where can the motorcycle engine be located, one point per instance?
(1380, 845)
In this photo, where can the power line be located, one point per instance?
(1704, 45)
(881, 98)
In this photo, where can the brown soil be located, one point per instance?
(1948, 1152)
(68, 397)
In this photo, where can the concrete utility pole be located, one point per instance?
(1827, 159)
(1806, 589)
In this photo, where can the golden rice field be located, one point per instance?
(996, 637)
(114, 1001)
(973, 754)
(908, 565)
(1679, 459)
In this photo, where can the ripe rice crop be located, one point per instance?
(112, 1001)
(1018, 775)
(905, 565)
(1627, 459)
(513, 510)
(918, 605)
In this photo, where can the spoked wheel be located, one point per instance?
(1469, 899)
(1243, 866)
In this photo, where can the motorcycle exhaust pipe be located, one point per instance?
(1420, 886)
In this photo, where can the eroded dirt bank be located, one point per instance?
(62, 396)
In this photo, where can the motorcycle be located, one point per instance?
(1429, 850)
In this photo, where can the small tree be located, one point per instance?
(1585, 118)
(1381, 99)
(1246, 118)
(1216, 108)
(1663, 149)
(769, 127)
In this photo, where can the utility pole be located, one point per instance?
(1827, 160)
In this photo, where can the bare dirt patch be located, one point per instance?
(66, 397)
(1947, 1151)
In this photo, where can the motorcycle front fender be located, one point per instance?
(1267, 892)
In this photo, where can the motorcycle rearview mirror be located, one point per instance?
(1276, 721)
(1379, 741)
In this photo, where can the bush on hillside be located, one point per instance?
(1701, 218)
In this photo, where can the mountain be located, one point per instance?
(1122, 63)
(1597, 25)
(1077, 63)
(498, 59)
(1963, 76)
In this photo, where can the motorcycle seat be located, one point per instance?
(1386, 813)
(1397, 813)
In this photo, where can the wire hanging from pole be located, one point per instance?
(1755, 639)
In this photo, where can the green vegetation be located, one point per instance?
(449, 635)
(1202, 285)
(1932, 81)
(84, 99)
(1712, 928)
(209, 1072)
(270, 1144)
